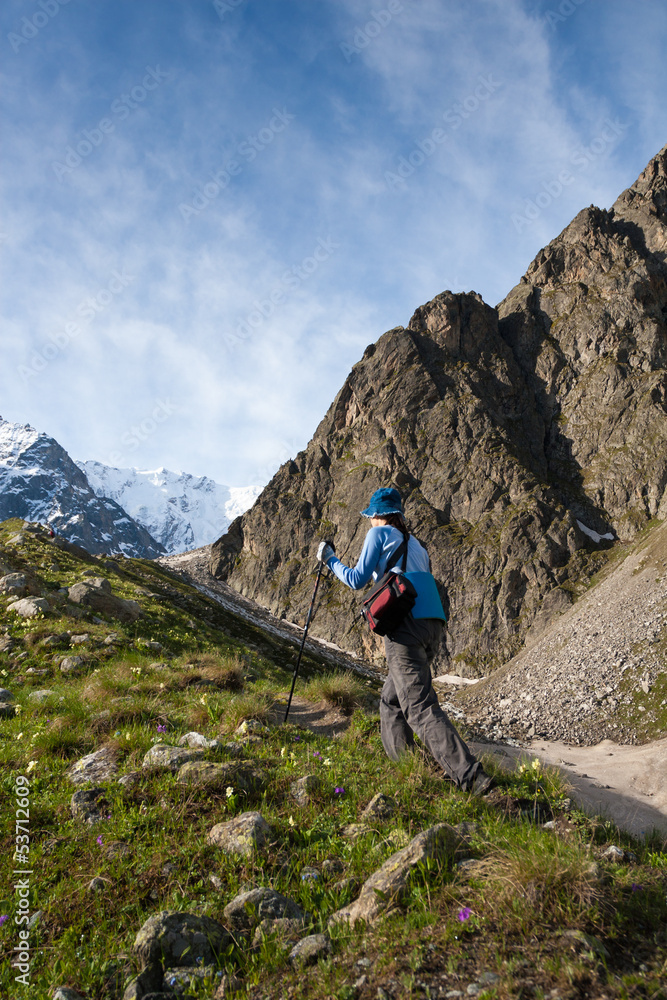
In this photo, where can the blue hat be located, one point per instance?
(384, 501)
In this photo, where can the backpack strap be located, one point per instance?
(400, 553)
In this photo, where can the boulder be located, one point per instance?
(29, 607)
(243, 834)
(258, 905)
(14, 583)
(177, 939)
(388, 885)
(96, 595)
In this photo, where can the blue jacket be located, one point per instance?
(379, 545)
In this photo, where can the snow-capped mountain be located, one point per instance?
(180, 511)
(40, 482)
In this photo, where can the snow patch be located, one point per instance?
(608, 537)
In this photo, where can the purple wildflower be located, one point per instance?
(339, 791)
(161, 729)
(99, 840)
(4, 918)
(465, 914)
(636, 888)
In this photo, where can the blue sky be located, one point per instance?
(209, 209)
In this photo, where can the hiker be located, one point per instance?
(408, 704)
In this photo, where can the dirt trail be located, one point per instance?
(624, 783)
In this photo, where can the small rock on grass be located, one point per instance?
(29, 607)
(42, 695)
(66, 993)
(379, 808)
(284, 929)
(310, 950)
(198, 741)
(303, 788)
(96, 884)
(169, 758)
(249, 908)
(229, 985)
(243, 834)
(86, 803)
(243, 778)
(98, 766)
(388, 884)
(174, 938)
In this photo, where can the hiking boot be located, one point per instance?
(481, 784)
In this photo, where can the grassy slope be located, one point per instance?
(533, 884)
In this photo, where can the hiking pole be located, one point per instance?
(305, 633)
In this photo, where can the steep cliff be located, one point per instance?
(518, 437)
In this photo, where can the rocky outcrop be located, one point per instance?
(518, 436)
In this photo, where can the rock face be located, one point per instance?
(518, 436)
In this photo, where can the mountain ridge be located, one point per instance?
(505, 429)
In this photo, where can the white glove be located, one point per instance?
(325, 552)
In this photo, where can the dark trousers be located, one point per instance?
(409, 705)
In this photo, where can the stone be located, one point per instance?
(66, 993)
(614, 853)
(164, 757)
(310, 950)
(86, 805)
(380, 807)
(248, 909)
(80, 640)
(96, 884)
(6, 644)
(129, 779)
(239, 776)
(332, 866)
(15, 584)
(284, 929)
(149, 981)
(96, 595)
(175, 938)
(117, 849)
(60, 641)
(29, 607)
(245, 833)
(98, 766)
(72, 665)
(582, 941)
(188, 976)
(197, 740)
(229, 985)
(43, 694)
(388, 885)
(6, 696)
(353, 831)
(251, 727)
(302, 789)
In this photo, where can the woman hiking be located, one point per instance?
(408, 704)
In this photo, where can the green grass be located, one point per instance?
(528, 886)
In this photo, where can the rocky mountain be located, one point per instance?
(40, 482)
(525, 438)
(180, 511)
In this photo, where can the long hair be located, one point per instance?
(396, 521)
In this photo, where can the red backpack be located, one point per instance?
(392, 598)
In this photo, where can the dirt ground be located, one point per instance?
(627, 784)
